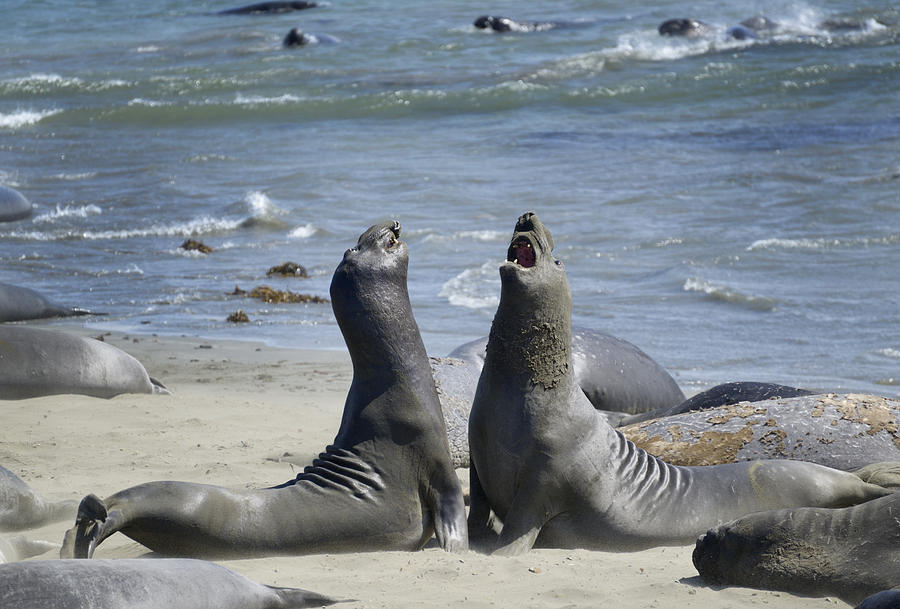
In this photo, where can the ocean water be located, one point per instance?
(731, 207)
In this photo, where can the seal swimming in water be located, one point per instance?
(13, 205)
(851, 553)
(549, 466)
(505, 24)
(173, 583)
(21, 507)
(386, 482)
(36, 362)
(261, 8)
(690, 28)
(845, 432)
(19, 304)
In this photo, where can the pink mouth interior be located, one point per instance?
(523, 253)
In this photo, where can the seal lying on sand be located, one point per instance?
(386, 483)
(19, 547)
(37, 362)
(886, 599)
(22, 508)
(13, 205)
(18, 304)
(840, 431)
(141, 584)
(852, 552)
(261, 8)
(556, 474)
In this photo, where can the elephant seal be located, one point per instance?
(296, 38)
(21, 507)
(840, 431)
(13, 205)
(19, 547)
(616, 376)
(549, 466)
(851, 553)
(261, 8)
(505, 24)
(690, 28)
(886, 599)
(174, 583)
(386, 483)
(725, 394)
(36, 362)
(19, 304)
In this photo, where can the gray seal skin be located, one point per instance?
(725, 394)
(616, 376)
(556, 474)
(19, 304)
(886, 599)
(135, 583)
(851, 553)
(13, 205)
(386, 482)
(21, 507)
(36, 362)
(262, 8)
(19, 547)
(843, 431)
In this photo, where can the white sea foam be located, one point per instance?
(69, 211)
(729, 295)
(21, 118)
(821, 243)
(485, 236)
(474, 288)
(303, 232)
(150, 103)
(888, 352)
(197, 226)
(252, 100)
(74, 176)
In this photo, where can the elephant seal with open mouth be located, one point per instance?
(550, 467)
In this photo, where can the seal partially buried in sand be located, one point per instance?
(852, 552)
(557, 475)
(37, 362)
(173, 583)
(21, 507)
(386, 483)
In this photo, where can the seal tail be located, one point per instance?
(297, 598)
(80, 540)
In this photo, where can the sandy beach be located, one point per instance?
(236, 409)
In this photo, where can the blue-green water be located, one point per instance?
(732, 207)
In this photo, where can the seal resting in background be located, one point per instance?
(851, 553)
(13, 205)
(19, 547)
(556, 474)
(840, 431)
(18, 304)
(36, 362)
(22, 508)
(173, 583)
(261, 8)
(386, 483)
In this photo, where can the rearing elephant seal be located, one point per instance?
(386, 483)
(551, 468)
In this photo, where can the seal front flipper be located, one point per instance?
(80, 540)
(449, 511)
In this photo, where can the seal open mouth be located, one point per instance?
(521, 252)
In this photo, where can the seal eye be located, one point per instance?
(521, 252)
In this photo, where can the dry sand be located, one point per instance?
(235, 408)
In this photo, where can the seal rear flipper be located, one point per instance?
(297, 598)
(449, 513)
(885, 474)
(159, 388)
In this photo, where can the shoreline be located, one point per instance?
(235, 410)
